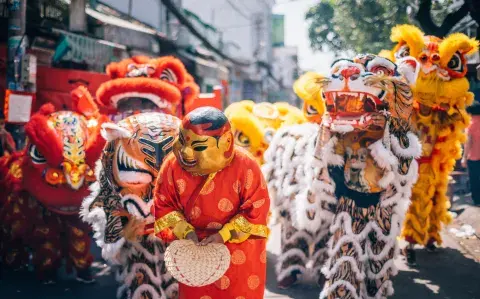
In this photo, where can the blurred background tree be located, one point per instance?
(363, 26)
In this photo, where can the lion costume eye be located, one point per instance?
(381, 66)
(242, 139)
(311, 110)
(404, 51)
(168, 75)
(455, 63)
(37, 158)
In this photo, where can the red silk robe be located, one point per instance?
(237, 195)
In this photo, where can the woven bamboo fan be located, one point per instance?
(194, 265)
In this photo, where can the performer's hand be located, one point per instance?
(192, 236)
(135, 227)
(215, 238)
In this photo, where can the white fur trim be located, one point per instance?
(326, 291)
(386, 179)
(288, 271)
(138, 294)
(110, 251)
(413, 151)
(384, 158)
(294, 252)
(329, 270)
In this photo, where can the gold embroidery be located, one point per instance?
(77, 232)
(16, 170)
(168, 221)
(242, 224)
(79, 246)
(225, 205)
(80, 263)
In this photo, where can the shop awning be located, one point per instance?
(112, 20)
(79, 48)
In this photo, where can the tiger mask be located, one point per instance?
(135, 149)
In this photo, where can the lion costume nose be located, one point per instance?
(350, 72)
(75, 174)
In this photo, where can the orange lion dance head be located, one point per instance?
(144, 84)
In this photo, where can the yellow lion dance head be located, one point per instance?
(308, 89)
(441, 82)
(255, 124)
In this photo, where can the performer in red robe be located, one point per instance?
(212, 191)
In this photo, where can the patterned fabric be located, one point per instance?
(365, 251)
(50, 237)
(238, 190)
(288, 171)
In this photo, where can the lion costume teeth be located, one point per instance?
(337, 184)
(441, 97)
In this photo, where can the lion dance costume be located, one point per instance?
(254, 125)
(129, 167)
(441, 95)
(288, 170)
(43, 187)
(362, 164)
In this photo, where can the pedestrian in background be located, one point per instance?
(471, 153)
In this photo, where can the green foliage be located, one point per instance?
(361, 26)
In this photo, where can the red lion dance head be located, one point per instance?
(141, 83)
(60, 156)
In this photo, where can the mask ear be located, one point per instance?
(408, 67)
(112, 132)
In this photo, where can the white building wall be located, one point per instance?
(285, 69)
(237, 20)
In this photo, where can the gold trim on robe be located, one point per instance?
(242, 224)
(168, 221)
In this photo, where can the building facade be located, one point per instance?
(245, 31)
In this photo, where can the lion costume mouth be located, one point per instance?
(142, 101)
(131, 171)
(187, 162)
(353, 108)
(164, 96)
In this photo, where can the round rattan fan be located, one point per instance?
(194, 265)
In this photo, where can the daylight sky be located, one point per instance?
(296, 34)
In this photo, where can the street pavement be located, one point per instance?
(451, 273)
